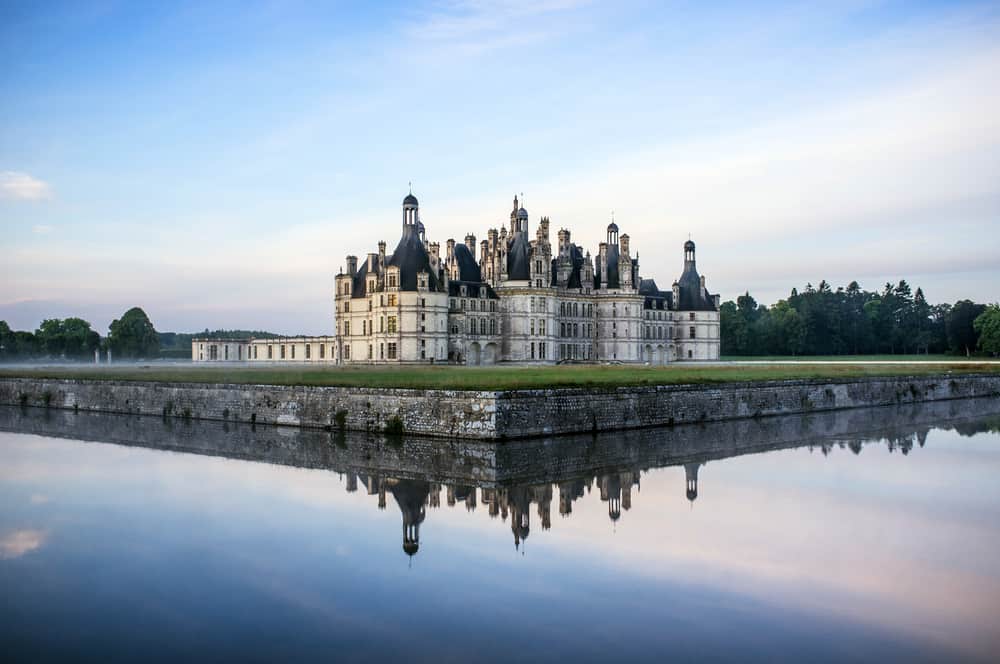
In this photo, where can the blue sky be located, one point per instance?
(215, 162)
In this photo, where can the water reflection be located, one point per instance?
(512, 481)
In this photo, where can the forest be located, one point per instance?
(849, 320)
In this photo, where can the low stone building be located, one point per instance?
(521, 301)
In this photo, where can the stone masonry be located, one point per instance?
(487, 414)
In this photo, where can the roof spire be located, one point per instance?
(410, 185)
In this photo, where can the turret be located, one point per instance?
(410, 211)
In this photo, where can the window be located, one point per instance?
(322, 351)
(392, 351)
(454, 328)
(541, 351)
(347, 333)
(369, 351)
(541, 326)
(691, 332)
(293, 351)
(538, 283)
(423, 303)
(463, 300)
(392, 299)
(364, 328)
(576, 309)
(691, 316)
(576, 332)
(538, 268)
(392, 281)
(451, 304)
(562, 329)
(532, 350)
(381, 351)
(562, 308)
(392, 324)
(282, 351)
(255, 352)
(308, 351)
(347, 352)
(381, 324)
(690, 354)
(347, 306)
(532, 326)
(493, 326)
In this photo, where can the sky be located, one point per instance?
(215, 162)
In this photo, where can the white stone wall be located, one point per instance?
(311, 350)
(392, 327)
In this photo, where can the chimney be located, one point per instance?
(623, 242)
(352, 265)
(450, 245)
(372, 263)
(470, 242)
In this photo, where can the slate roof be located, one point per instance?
(472, 289)
(468, 268)
(519, 258)
(410, 257)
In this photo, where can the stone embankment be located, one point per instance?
(488, 414)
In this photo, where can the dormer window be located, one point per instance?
(392, 281)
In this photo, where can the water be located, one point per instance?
(860, 535)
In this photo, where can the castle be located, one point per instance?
(522, 301)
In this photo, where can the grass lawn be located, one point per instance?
(851, 358)
(495, 378)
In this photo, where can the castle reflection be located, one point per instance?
(414, 497)
(516, 482)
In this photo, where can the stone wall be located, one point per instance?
(444, 413)
(483, 414)
(542, 412)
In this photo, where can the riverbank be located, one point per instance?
(492, 414)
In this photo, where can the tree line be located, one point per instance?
(852, 321)
(132, 336)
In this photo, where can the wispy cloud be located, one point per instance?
(21, 186)
(19, 542)
(486, 25)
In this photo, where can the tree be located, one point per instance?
(987, 326)
(962, 337)
(71, 338)
(7, 344)
(133, 335)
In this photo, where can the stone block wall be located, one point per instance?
(485, 414)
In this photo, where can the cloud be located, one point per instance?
(22, 187)
(19, 542)
(476, 26)
(41, 229)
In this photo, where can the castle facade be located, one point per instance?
(512, 299)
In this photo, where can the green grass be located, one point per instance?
(851, 358)
(498, 378)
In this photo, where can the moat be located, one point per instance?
(861, 535)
